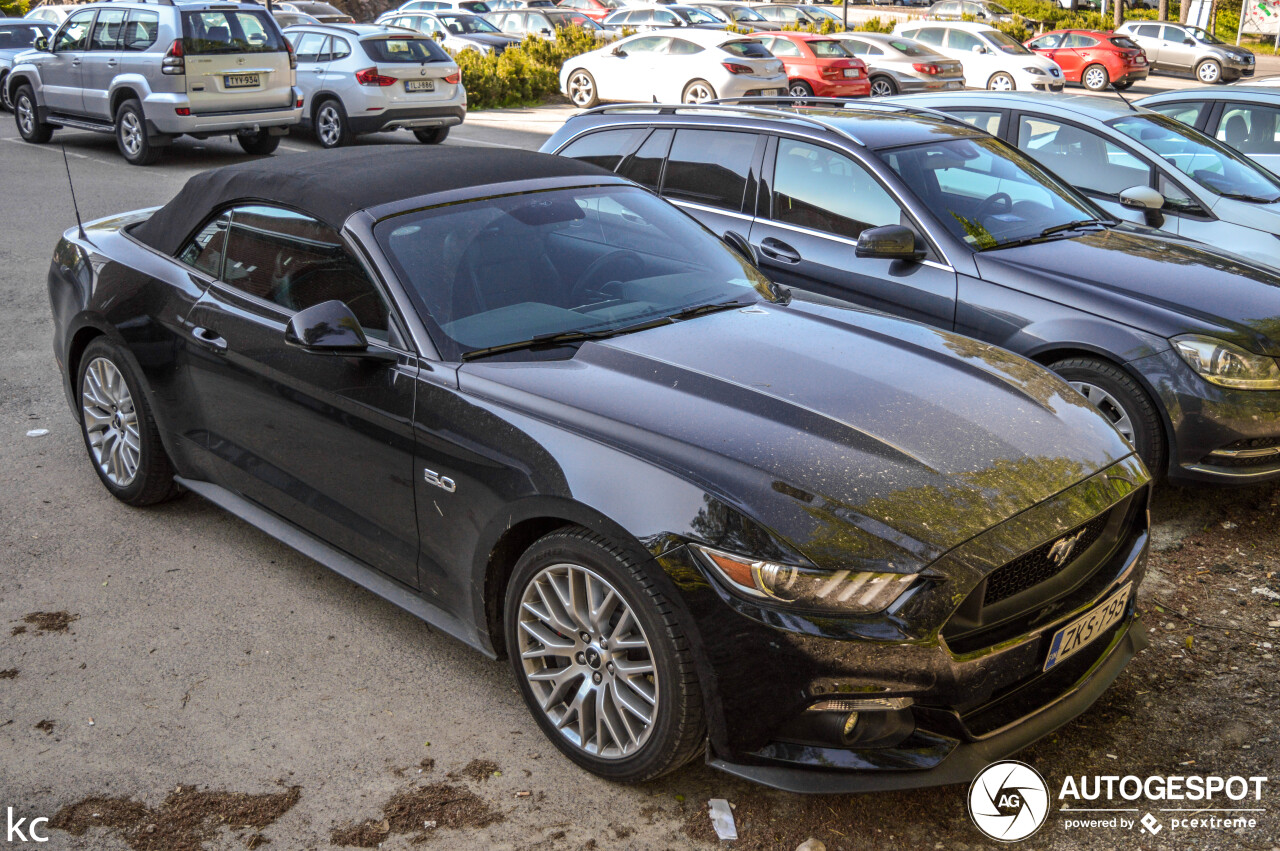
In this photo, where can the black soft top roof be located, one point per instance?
(331, 185)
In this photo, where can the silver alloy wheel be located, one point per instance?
(329, 125)
(588, 661)
(1001, 83)
(1108, 405)
(26, 115)
(1095, 78)
(1208, 72)
(799, 90)
(131, 133)
(110, 422)
(881, 88)
(582, 89)
(698, 93)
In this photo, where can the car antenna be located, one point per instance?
(1123, 98)
(72, 187)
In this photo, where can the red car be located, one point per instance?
(1096, 60)
(818, 65)
(596, 10)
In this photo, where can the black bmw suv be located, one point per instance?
(915, 213)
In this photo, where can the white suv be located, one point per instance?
(149, 72)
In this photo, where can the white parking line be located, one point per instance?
(56, 150)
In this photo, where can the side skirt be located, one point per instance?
(339, 562)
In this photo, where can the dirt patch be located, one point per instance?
(446, 805)
(478, 770)
(48, 622)
(186, 820)
(8, 673)
(46, 727)
(18, 630)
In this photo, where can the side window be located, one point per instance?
(310, 46)
(709, 167)
(540, 22)
(645, 166)
(983, 120)
(106, 30)
(665, 18)
(1175, 197)
(961, 40)
(1047, 42)
(605, 149)
(649, 44)
(1147, 31)
(680, 47)
(140, 30)
(857, 48)
(339, 48)
(1174, 35)
(930, 35)
(784, 47)
(818, 188)
(1081, 158)
(1076, 40)
(1187, 113)
(206, 250)
(296, 262)
(74, 34)
(1249, 128)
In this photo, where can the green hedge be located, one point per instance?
(13, 8)
(523, 74)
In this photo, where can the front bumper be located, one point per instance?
(413, 118)
(1216, 434)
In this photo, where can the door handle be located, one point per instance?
(209, 339)
(778, 250)
(112, 63)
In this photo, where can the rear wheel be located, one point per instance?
(5, 100)
(1209, 71)
(26, 116)
(1001, 82)
(131, 135)
(261, 142)
(883, 87)
(432, 136)
(582, 89)
(1122, 401)
(698, 91)
(1095, 78)
(800, 89)
(332, 129)
(602, 658)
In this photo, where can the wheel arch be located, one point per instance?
(127, 88)
(320, 97)
(15, 79)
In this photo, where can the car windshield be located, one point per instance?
(746, 13)
(21, 36)
(1006, 43)
(1206, 37)
(909, 48)
(1214, 166)
(466, 24)
(986, 193)
(391, 50)
(997, 9)
(821, 12)
(230, 31)
(695, 16)
(588, 261)
(570, 19)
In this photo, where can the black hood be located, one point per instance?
(1165, 286)
(835, 429)
(501, 42)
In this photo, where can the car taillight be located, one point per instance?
(293, 57)
(927, 67)
(454, 78)
(371, 77)
(829, 71)
(735, 68)
(173, 62)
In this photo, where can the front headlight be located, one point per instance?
(1039, 72)
(1227, 365)
(834, 591)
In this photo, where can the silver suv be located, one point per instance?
(149, 72)
(1185, 49)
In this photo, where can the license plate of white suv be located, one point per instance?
(419, 85)
(243, 81)
(1076, 635)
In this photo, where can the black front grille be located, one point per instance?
(1035, 567)
(1246, 463)
(1254, 443)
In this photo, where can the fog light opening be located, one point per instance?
(878, 722)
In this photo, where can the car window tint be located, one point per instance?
(645, 165)
(748, 49)
(296, 262)
(204, 252)
(605, 149)
(140, 30)
(680, 47)
(961, 40)
(1174, 34)
(106, 30)
(246, 31)
(1175, 197)
(1083, 159)
(75, 32)
(709, 167)
(1147, 31)
(828, 49)
(931, 35)
(784, 47)
(649, 44)
(17, 37)
(310, 46)
(1047, 42)
(1076, 40)
(1187, 113)
(1249, 128)
(817, 188)
(339, 48)
(983, 120)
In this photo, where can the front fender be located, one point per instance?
(25, 74)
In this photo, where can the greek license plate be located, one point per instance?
(419, 85)
(242, 81)
(1077, 634)
(851, 72)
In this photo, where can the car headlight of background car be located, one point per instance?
(834, 591)
(1228, 365)
(1031, 69)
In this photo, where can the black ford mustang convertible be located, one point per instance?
(553, 416)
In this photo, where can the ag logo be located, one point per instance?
(1008, 800)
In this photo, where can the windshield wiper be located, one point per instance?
(703, 309)
(1253, 199)
(1048, 232)
(562, 338)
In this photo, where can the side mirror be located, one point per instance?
(545, 31)
(328, 328)
(1146, 199)
(618, 51)
(977, 48)
(1189, 40)
(41, 44)
(891, 242)
(437, 35)
(739, 243)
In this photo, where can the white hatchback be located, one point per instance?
(687, 66)
(991, 59)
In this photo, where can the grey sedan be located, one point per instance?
(897, 64)
(1242, 117)
(16, 36)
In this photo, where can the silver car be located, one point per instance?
(1246, 118)
(456, 31)
(1184, 49)
(983, 11)
(896, 64)
(365, 78)
(17, 36)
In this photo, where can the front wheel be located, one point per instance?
(1122, 401)
(119, 430)
(1001, 82)
(261, 143)
(603, 658)
(582, 89)
(432, 136)
(1209, 72)
(1095, 78)
(883, 87)
(131, 135)
(27, 117)
(698, 91)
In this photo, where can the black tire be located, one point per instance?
(883, 86)
(698, 91)
(1095, 78)
(432, 136)
(131, 135)
(152, 481)
(1209, 72)
(5, 103)
(1123, 86)
(1148, 433)
(27, 116)
(799, 89)
(330, 123)
(261, 143)
(677, 729)
(1002, 82)
(583, 90)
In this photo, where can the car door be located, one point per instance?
(324, 441)
(1147, 36)
(629, 75)
(811, 212)
(62, 70)
(1072, 57)
(141, 29)
(1175, 53)
(101, 62)
(709, 172)
(1251, 129)
(1050, 46)
(974, 55)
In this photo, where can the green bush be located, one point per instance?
(13, 8)
(524, 74)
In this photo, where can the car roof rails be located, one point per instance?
(848, 103)
(154, 2)
(715, 106)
